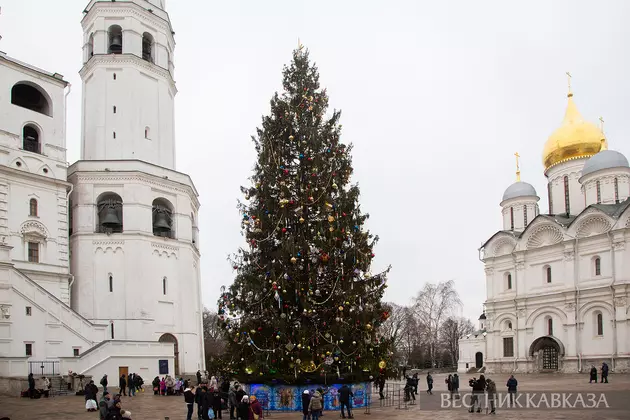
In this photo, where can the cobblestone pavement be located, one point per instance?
(150, 407)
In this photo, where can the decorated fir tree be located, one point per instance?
(304, 306)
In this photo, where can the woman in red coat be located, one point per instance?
(255, 409)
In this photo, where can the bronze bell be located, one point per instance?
(116, 45)
(110, 218)
(161, 222)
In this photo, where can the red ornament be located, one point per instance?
(343, 214)
(286, 171)
(373, 255)
(314, 174)
(284, 230)
(292, 202)
(259, 328)
(235, 267)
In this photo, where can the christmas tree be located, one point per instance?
(304, 306)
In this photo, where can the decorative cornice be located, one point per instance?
(132, 59)
(164, 246)
(108, 243)
(34, 227)
(127, 178)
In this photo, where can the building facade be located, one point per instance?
(99, 261)
(557, 283)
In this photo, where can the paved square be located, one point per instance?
(149, 407)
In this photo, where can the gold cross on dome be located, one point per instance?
(569, 78)
(601, 124)
(518, 169)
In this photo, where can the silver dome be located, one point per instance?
(519, 189)
(606, 159)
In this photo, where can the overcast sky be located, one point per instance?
(436, 98)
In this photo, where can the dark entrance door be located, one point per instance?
(550, 358)
(170, 338)
(479, 360)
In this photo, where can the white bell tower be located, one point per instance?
(128, 84)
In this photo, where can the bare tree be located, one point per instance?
(212, 335)
(432, 306)
(451, 331)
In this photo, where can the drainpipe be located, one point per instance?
(69, 268)
(612, 292)
(576, 279)
(515, 303)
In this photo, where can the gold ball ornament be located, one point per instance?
(293, 260)
(301, 220)
(382, 364)
(291, 137)
(368, 326)
(331, 219)
(334, 186)
(331, 229)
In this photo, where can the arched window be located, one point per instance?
(509, 280)
(524, 216)
(549, 326)
(30, 96)
(195, 230)
(32, 207)
(599, 192)
(509, 325)
(567, 205)
(115, 41)
(512, 218)
(110, 279)
(147, 132)
(598, 266)
(616, 191)
(548, 273)
(110, 213)
(163, 218)
(599, 323)
(90, 47)
(30, 139)
(164, 286)
(549, 198)
(147, 47)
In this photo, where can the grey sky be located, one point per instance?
(436, 97)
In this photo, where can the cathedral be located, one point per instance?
(557, 283)
(99, 260)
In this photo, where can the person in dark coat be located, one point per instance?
(455, 385)
(243, 408)
(255, 408)
(381, 386)
(200, 395)
(217, 403)
(593, 375)
(345, 400)
(189, 399)
(31, 386)
(512, 383)
(429, 383)
(122, 384)
(604, 373)
(198, 377)
(206, 403)
(90, 391)
(306, 399)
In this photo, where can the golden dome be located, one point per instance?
(574, 139)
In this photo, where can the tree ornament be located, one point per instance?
(301, 220)
(293, 260)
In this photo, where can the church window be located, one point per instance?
(550, 199)
(115, 45)
(114, 134)
(32, 207)
(512, 218)
(147, 131)
(33, 252)
(549, 326)
(147, 47)
(548, 273)
(567, 205)
(90, 47)
(114, 109)
(509, 280)
(114, 76)
(599, 319)
(75, 352)
(111, 283)
(30, 139)
(28, 349)
(111, 330)
(525, 216)
(509, 325)
(599, 192)
(598, 266)
(164, 286)
(508, 347)
(616, 191)
(30, 96)
(29, 311)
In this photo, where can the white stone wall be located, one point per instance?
(518, 206)
(137, 260)
(115, 115)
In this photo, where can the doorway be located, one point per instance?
(123, 370)
(479, 360)
(170, 338)
(550, 358)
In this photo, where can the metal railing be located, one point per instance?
(43, 368)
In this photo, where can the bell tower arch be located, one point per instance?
(128, 82)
